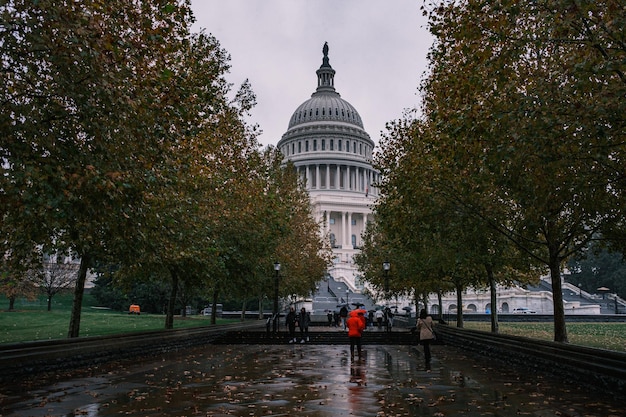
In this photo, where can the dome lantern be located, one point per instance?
(325, 104)
(326, 73)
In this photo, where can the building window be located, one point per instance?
(323, 144)
(333, 241)
(331, 221)
(338, 145)
(306, 145)
(332, 144)
(353, 222)
(314, 144)
(353, 240)
(299, 147)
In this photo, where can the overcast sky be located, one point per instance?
(377, 48)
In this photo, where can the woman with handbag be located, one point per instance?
(425, 327)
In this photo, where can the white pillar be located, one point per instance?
(344, 243)
(350, 230)
(337, 177)
(317, 176)
(306, 175)
(328, 176)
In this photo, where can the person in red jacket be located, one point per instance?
(356, 325)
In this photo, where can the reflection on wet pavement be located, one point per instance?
(312, 380)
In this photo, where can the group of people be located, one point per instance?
(302, 320)
(356, 323)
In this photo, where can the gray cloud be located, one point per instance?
(377, 48)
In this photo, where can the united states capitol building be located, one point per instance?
(329, 147)
(332, 152)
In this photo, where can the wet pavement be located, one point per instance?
(310, 380)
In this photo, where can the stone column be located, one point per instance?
(338, 177)
(328, 176)
(307, 176)
(317, 176)
(344, 243)
(350, 230)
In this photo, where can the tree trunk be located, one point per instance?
(494, 299)
(12, 303)
(171, 303)
(214, 309)
(243, 310)
(459, 306)
(79, 290)
(560, 331)
(261, 316)
(49, 303)
(440, 301)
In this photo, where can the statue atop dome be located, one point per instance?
(325, 52)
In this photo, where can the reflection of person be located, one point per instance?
(304, 319)
(425, 327)
(291, 324)
(356, 325)
(330, 318)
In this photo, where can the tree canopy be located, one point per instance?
(123, 143)
(521, 130)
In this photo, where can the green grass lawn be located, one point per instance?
(611, 336)
(31, 321)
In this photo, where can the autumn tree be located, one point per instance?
(87, 117)
(523, 101)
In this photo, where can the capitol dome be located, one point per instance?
(325, 103)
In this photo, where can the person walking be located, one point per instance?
(304, 319)
(343, 314)
(379, 318)
(291, 324)
(425, 327)
(355, 325)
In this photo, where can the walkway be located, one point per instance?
(309, 380)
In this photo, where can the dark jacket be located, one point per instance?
(304, 320)
(291, 318)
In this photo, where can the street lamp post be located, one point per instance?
(275, 312)
(347, 299)
(386, 268)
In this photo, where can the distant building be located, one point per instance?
(332, 152)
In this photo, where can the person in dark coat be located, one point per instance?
(304, 319)
(343, 314)
(291, 324)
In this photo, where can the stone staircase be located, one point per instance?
(335, 337)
